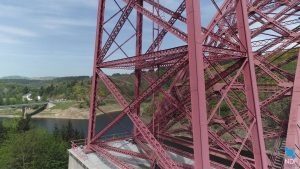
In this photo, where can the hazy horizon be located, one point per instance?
(42, 76)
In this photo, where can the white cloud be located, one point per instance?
(4, 39)
(89, 3)
(53, 23)
(66, 4)
(11, 11)
(14, 31)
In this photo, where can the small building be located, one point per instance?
(27, 97)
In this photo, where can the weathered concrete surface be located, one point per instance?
(79, 160)
(74, 164)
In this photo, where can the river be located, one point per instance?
(81, 125)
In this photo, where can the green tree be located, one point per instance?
(24, 124)
(33, 149)
(11, 125)
(25, 90)
(68, 133)
(56, 132)
(2, 132)
(41, 91)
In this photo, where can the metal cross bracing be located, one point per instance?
(224, 94)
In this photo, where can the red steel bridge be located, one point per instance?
(225, 90)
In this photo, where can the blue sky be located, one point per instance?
(50, 37)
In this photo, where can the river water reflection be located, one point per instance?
(81, 125)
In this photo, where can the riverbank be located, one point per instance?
(60, 113)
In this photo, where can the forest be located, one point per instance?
(69, 88)
(25, 146)
(77, 88)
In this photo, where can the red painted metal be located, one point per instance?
(293, 132)
(98, 44)
(138, 52)
(251, 91)
(197, 82)
(219, 93)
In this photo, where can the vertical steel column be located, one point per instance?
(98, 45)
(293, 133)
(197, 85)
(138, 52)
(251, 85)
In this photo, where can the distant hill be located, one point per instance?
(46, 78)
(15, 77)
(43, 78)
(30, 78)
(37, 82)
(76, 88)
(12, 88)
(71, 78)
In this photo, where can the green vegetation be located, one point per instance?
(67, 88)
(68, 91)
(64, 105)
(26, 147)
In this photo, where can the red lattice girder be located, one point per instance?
(216, 98)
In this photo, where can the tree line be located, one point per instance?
(23, 146)
(69, 88)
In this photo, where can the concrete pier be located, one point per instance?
(79, 160)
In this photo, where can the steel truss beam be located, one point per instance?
(293, 132)
(197, 88)
(220, 94)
